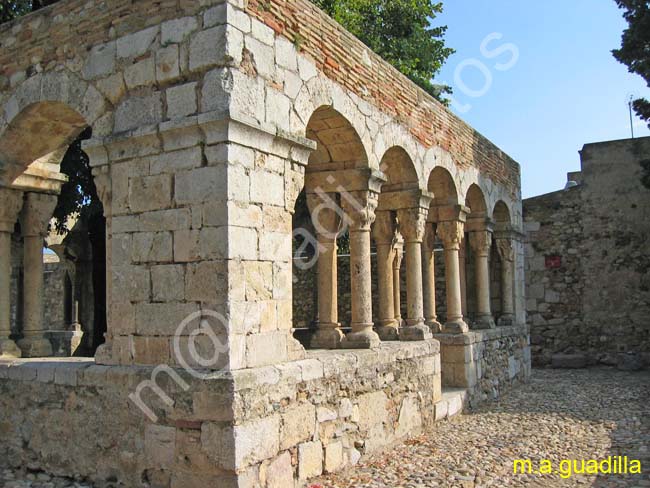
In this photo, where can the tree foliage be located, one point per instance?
(400, 31)
(635, 47)
(10, 9)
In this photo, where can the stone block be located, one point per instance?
(278, 107)
(256, 441)
(373, 410)
(265, 349)
(136, 44)
(207, 282)
(142, 73)
(167, 63)
(100, 61)
(213, 243)
(150, 193)
(242, 243)
(186, 246)
(267, 188)
(410, 418)
(172, 219)
(138, 111)
(285, 54)
(176, 161)
(263, 57)
(279, 473)
(181, 100)
(262, 32)
(298, 425)
(333, 456)
(159, 442)
(310, 460)
(201, 185)
(216, 90)
(151, 350)
(209, 48)
(177, 30)
(112, 87)
(162, 318)
(168, 283)
(131, 283)
(152, 247)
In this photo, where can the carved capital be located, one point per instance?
(412, 222)
(102, 178)
(505, 249)
(385, 227)
(452, 233)
(36, 213)
(325, 213)
(481, 242)
(359, 207)
(11, 201)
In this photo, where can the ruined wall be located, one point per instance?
(587, 260)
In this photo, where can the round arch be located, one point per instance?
(501, 214)
(443, 187)
(475, 200)
(399, 169)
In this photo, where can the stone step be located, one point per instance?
(452, 403)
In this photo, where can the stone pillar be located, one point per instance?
(34, 218)
(383, 232)
(507, 255)
(462, 261)
(481, 243)
(398, 255)
(412, 223)
(103, 182)
(327, 223)
(11, 202)
(429, 279)
(451, 233)
(359, 207)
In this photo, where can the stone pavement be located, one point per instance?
(561, 414)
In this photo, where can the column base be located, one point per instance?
(104, 354)
(434, 326)
(456, 326)
(35, 347)
(388, 330)
(9, 349)
(364, 339)
(484, 322)
(419, 332)
(327, 338)
(506, 320)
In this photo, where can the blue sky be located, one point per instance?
(565, 89)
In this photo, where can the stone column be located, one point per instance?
(360, 208)
(481, 243)
(34, 218)
(507, 255)
(462, 261)
(429, 279)
(327, 223)
(412, 223)
(398, 255)
(11, 202)
(383, 232)
(451, 233)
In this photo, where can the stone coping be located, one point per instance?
(475, 336)
(318, 364)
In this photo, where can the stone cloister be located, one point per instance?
(209, 118)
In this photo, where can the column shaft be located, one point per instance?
(429, 280)
(481, 242)
(506, 253)
(397, 284)
(451, 233)
(11, 202)
(462, 262)
(387, 326)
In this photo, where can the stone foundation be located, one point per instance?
(266, 427)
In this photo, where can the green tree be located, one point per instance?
(635, 47)
(401, 32)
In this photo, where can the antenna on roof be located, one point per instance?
(630, 101)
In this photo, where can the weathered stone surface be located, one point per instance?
(568, 361)
(310, 459)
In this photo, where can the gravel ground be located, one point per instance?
(560, 414)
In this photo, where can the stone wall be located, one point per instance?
(290, 422)
(587, 260)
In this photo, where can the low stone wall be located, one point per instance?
(271, 427)
(488, 363)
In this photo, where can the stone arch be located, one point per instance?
(443, 187)
(501, 214)
(339, 145)
(42, 117)
(475, 200)
(399, 169)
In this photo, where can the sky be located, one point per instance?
(544, 83)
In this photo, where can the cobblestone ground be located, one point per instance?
(560, 414)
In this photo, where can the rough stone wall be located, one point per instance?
(587, 260)
(270, 426)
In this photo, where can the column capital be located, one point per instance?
(103, 183)
(325, 214)
(359, 207)
(398, 249)
(452, 233)
(412, 223)
(441, 213)
(384, 229)
(505, 248)
(36, 213)
(481, 242)
(11, 201)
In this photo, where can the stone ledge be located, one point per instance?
(476, 336)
